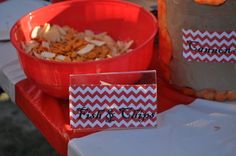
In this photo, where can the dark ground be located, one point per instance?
(18, 137)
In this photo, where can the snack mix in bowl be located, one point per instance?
(53, 42)
(83, 37)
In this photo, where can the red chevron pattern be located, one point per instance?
(206, 46)
(113, 106)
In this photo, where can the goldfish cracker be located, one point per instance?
(210, 2)
(208, 94)
(231, 95)
(221, 96)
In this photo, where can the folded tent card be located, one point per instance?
(113, 100)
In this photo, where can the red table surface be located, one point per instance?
(51, 115)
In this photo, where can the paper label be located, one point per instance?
(205, 46)
(113, 106)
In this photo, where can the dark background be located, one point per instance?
(18, 136)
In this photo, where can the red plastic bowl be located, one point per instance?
(122, 20)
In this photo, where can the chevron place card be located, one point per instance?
(112, 106)
(206, 46)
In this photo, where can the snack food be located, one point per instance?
(198, 47)
(53, 42)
